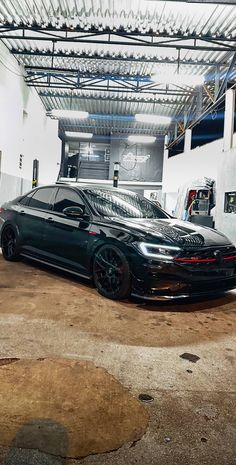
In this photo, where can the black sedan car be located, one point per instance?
(123, 242)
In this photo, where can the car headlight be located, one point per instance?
(158, 251)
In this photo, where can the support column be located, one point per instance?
(199, 101)
(229, 119)
(64, 159)
(176, 131)
(187, 140)
(217, 81)
(166, 151)
(165, 164)
(185, 117)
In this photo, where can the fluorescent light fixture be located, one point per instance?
(190, 80)
(78, 135)
(69, 114)
(141, 139)
(152, 119)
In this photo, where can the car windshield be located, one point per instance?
(122, 204)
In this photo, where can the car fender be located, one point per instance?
(13, 226)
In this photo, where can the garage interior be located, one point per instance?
(146, 87)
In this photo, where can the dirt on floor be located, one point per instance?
(182, 355)
(66, 408)
(47, 294)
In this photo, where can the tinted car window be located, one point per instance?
(41, 198)
(66, 198)
(26, 199)
(123, 204)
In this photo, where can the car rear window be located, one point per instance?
(41, 198)
(26, 199)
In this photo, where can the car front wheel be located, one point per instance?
(9, 244)
(111, 273)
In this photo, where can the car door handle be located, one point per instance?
(49, 220)
(22, 212)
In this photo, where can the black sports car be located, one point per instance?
(122, 241)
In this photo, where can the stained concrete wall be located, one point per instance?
(211, 161)
(24, 130)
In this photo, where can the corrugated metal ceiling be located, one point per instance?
(128, 14)
(160, 18)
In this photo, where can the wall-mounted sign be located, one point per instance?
(131, 157)
(21, 161)
(230, 202)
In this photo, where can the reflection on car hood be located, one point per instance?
(180, 232)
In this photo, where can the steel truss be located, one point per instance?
(109, 57)
(106, 98)
(227, 76)
(75, 76)
(136, 85)
(160, 39)
(103, 82)
(112, 127)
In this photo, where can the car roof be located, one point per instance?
(83, 186)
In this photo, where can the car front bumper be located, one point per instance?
(169, 281)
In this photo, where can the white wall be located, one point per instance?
(24, 129)
(226, 182)
(191, 165)
(210, 161)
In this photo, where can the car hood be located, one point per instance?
(175, 231)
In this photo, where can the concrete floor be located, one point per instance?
(44, 314)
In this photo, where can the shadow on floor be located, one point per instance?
(40, 442)
(201, 304)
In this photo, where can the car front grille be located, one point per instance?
(211, 254)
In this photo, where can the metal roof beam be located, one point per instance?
(133, 41)
(51, 71)
(109, 57)
(99, 98)
(69, 127)
(227, 77)
(168, 33)
(131, 81)
(113, 83)
(109, 87)
(207, 111)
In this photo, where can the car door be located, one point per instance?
(32, 212)
(67, 238)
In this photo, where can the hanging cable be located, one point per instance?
(11, 71)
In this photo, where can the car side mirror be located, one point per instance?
(74, 212)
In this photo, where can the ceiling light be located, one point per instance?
(152, 119)
(69, 114)
(78, 135)
(141, 139)
(190, 80)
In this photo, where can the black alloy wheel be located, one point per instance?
(9, 244)
(111, 273)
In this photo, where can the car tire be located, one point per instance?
(9, 244)
(111, 273)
